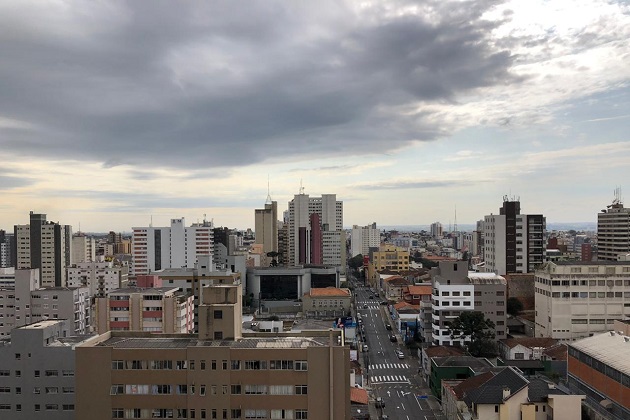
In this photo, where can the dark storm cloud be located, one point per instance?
(221, 84)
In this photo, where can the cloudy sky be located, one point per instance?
(115, 112)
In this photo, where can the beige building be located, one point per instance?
(266, 226)
(577, 299)
(326, 301)
(215, 375)
(388, 257)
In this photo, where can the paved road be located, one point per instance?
(390, 378)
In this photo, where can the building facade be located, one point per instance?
(266, 228)
(305, 232)
(83, 248)
(456, 290)
(7, 249)
(46, 246)
(37, 372)
(155, 248)
(363, 238)
(100, 277)
(613, 231)
(576, 299)
(513, 242)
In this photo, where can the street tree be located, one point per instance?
(476, 331)
(513, 306)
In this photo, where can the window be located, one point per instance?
(301, 414)
(255, 389)
(51, 373)
(236, 365)
(519, 356)
(218, 335)
(281, 389)
(202, 390)
(116, 365)
(236, 413)
(235, 389)
(218, 314)
(301, 365)
(301, 389)
(224, 364)
(118, 413)
(52, 406)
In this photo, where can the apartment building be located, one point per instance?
(456, 290)
(266, 228)
(37, 372)
(363, 238)
(513, 242)
(576, 299)
(99, 277)
(315, 231)
(70, 303)
(6, 249)
(155, 309)
(388, 257)
(599, 367)
(46, 246)
(613, 231)
(83, 248)
(156, 248)
(218, 374)
(436, 230)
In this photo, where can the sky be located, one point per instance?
(113, 113)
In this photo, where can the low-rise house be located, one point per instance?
(526, 348)
(455, 367)
(406, 318)
(395, 287)
(326, 301)
(426, 353)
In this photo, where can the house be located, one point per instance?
(526, 348)
(427, 353)
(406, 317)
(326, 301)
(394, 287)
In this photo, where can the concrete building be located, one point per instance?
(330, 301)
(456, 290)
(363, 238)
(15, 299)
(613, 231)
(575, 299)
(46, 246)
(436, 230)
(83, 248)
(7, 245)
(71, 303)
(99, 277)
(37, 372)
(154, 309)
(525, 348)
(513, 242)
(305, 232)
(388, 258)
(218, 374)
(156, 248)
(266, 227)
(599, 367)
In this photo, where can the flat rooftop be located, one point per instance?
(244, 343)
(610, 348)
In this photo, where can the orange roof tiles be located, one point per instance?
(359, 396)
(420, 290)
(328, 291)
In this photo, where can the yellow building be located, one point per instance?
(388, 257)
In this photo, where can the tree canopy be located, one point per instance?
(356, 262)
(471, 325)
(513, 306)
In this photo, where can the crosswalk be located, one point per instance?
(389, 379)
(370, 304)
(389, 366)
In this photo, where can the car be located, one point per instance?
(400, 354)
(365, 347)
(365, 306)
(384, 302)
(388, 327)
(371, 296)
(379, 403)
(393, 338)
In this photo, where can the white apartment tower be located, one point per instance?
(83, 248)
(308, 217)
(613, 230)
(177, 246)
(513, 242)
(364, 238)
(46, 246)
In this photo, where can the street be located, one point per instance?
(391, 378)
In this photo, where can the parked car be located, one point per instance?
(400, 354)
(379, 403)
(365, 306)
(365, 347)
(371, 296)
(384, 302)
(388, 327)
(393, 338)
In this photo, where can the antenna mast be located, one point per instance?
(268, 201)
(301, 187)
(455, 218)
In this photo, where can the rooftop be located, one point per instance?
(420, 290)
(358, 396)
(441, 351)
(144, 290)
(610, 348)
(530, 342)
(328, 291)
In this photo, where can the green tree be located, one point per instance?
(513, 306)
(480, 331)
(356, 262)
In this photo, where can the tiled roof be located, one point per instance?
(441, 351)
(491, 392)
(538, 390)
(557, 352)
(404, 306)
(328, 291)
(471, 383)
(530, 342)
(358, 396)
(419, 290)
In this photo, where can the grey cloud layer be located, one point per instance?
(201, 86)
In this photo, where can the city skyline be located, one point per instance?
(114, 115)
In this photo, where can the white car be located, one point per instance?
(400, 354)
(365, 347)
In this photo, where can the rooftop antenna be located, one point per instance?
(151, 224)
(301, 187)
(617, 199)
(268, 201)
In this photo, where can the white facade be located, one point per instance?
(364, 238)
(450, 298)
(578, 299)
(613, 232)
(83, 249)
(156, 248)
(494, 244)
(437, 230)
(331, 219)
(100, 277)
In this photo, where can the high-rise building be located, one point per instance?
(513, 242)
(613, 231)
(156, 248)
(436, 230)
(307, 232)
(363, 238)
(99, 277)
(266, 226)
(46, 246)
(6, 249)
(456, 290)
(83, 248)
